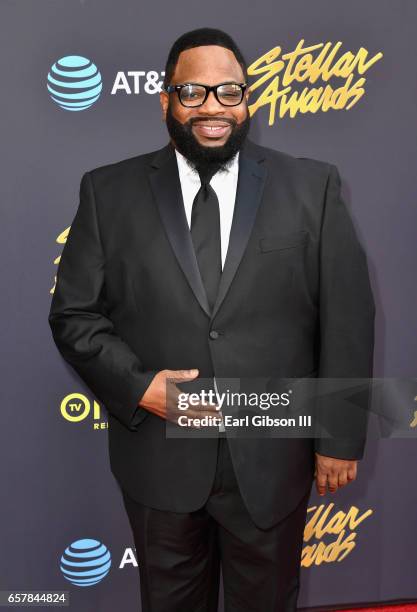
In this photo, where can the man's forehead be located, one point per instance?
(208, 61)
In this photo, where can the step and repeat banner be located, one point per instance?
(332, 81)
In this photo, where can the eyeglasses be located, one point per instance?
(195, 94)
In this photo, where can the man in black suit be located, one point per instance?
(210, 259)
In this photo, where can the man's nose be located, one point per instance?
(211, 105)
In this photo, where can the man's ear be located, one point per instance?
(164, 100)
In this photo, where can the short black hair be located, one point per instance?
(198, 38)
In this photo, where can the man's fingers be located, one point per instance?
(324, 481)
(333, 473)
(179, 376)
(200, 410)
(352, 471)
(191, 411)
(332, 480)
(343, 479)
(321, 481)
(196, 409)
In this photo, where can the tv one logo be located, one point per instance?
(75, 83)
(76, 407)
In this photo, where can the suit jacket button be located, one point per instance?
(213, 334)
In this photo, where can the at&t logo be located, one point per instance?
(74, 83)
(85, 562)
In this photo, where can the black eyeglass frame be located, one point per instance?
(208, 88)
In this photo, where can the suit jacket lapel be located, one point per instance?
(251, 180)
(166, 187)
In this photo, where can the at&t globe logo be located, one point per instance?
(85, 562)
(74, 83)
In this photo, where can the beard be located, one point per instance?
(202, 158)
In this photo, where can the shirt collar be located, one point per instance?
(186, 170)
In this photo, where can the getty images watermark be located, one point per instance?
(206, 399)
(309, 407)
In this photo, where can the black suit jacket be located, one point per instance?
(294, 301)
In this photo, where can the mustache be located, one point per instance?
(194, 120)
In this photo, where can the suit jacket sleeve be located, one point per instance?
(82, 332)
(347, 313)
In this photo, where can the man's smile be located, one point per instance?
(211, 129)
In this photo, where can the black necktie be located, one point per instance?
(205, 234)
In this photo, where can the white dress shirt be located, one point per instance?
(224, 183)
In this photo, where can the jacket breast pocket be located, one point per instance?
(278, 242)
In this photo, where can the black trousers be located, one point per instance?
(179, 554)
